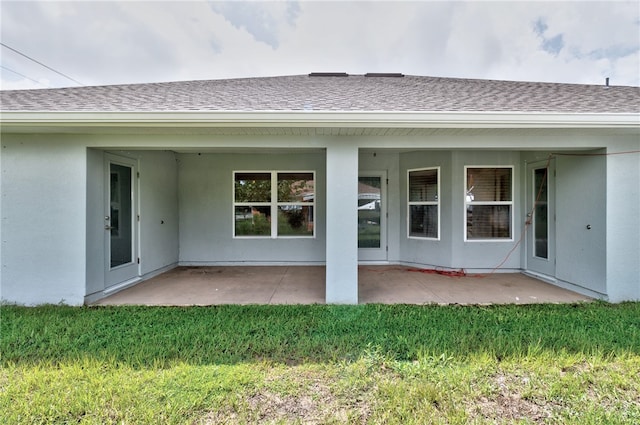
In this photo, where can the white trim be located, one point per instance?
(242, 263)
(566, 285)
(98, 295)
(374, 119)
(122, 285)
(436, 203)
(468, 271)
(510, 203)
(540, 276)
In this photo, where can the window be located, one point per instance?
(424, 203)
(489, 203)
(274, 204)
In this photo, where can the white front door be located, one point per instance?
(541, 255)
(120, 220)
(372, 216)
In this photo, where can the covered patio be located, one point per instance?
(185, 286)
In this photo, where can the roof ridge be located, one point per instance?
(352, 93)
(317, 74)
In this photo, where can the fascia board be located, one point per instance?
(344, 119)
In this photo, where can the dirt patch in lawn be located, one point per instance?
(305, 398)
(509, 405)
(512, 407)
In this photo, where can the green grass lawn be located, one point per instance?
(321, 364)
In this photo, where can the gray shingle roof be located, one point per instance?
(322, 93)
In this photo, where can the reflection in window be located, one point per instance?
(295, 187)
(541, 213)
(272, 204)
(253, 187)
(369, 211)
(295, 220)
(252, 220)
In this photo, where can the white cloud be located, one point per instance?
(121, 42)
(262, 20)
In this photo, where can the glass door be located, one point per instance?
(541, 218)
(372, 217)
(120, 220)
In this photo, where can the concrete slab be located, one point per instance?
(306, 285)
(403, 285)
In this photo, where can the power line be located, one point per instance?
(41, 64)
(22, 75)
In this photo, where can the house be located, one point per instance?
(103, 187)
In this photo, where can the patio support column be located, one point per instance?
(342, 224)
(623, 228)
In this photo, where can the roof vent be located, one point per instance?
(384, 74)
(328, 74)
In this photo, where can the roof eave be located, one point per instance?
(343, 119)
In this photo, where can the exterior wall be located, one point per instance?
(52, 205)
(95, 221)
(2, 243)
(206, 210)
(476, 255)
(581, 202)
(425, 252)
(452, 251)
(158, 210)
(623, 222)
(342, 228)
(43, 206)
(600, 188)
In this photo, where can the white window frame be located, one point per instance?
(511, 203)
(411, 203)
(273, 204)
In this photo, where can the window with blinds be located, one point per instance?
(424, 203)
(489, 203)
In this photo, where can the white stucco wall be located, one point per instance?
(428, 252)
(206, 210)
(623, 221)
(479, 255)
(342, 224)
(95, 222)
(580, 202)
(1, 219)
(52, 195)
(452, 251)
(158, 210)
(43, 216)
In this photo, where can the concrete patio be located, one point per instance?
(306, 285)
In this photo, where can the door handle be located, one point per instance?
(107, 227)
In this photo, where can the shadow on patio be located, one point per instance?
(305, 285)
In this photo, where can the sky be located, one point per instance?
(121, 42)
